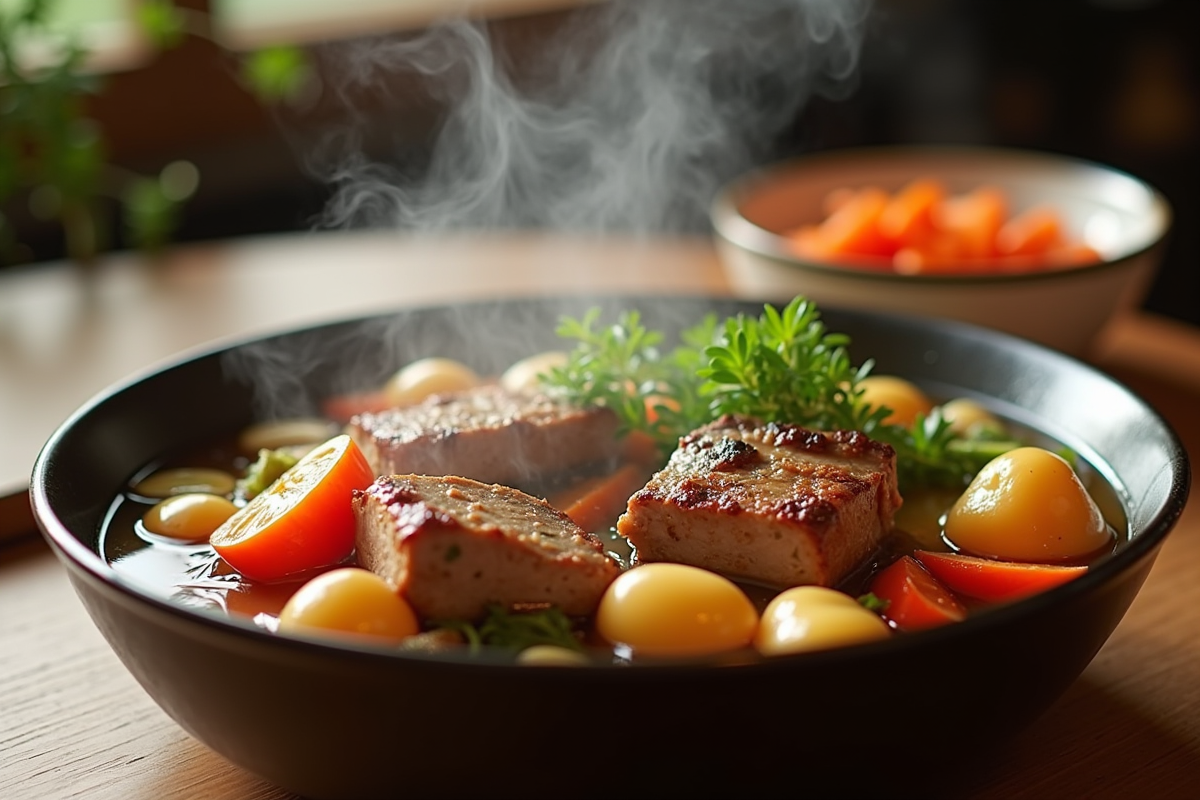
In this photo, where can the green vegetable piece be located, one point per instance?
(265, 471)
(873, 602)
(517, 629)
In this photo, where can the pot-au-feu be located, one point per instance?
(747, 493)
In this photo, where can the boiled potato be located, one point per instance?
(185, 480)
(349, 600)
(1027, 505)
(670, 610)
(523, 375)
(969, 418)
(808, 618)
(279, 434)
(904, 399)
(426, 377)
(188, 517)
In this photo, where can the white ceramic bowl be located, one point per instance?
(1120, 216)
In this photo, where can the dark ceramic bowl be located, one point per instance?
(331, 721)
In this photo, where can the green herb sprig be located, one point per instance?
(782, 366)
(517, 629)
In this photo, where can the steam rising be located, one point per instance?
(627, 120)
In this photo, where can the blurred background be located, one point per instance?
(237, 111)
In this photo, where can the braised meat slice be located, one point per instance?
(452, 546)
(488, 434)
(775, 504)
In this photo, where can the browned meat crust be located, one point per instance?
(775, 504)
(487, 434)
(452, 546)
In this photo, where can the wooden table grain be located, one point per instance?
(75, 724)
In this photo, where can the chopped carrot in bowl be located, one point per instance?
(923, 229)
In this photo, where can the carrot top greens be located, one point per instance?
(782, 366)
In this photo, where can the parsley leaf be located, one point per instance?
(518, 629)
(782, 366)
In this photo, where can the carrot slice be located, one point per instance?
(853, 229)
(922, 230)
(807, 242)
(1031, 232)
(908, 217)
(991, 580)
(595, 504)
(940, 253)
(915, 599)
(1072, 255)
(973, 220)
(836, 198)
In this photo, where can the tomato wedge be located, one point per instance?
(915, 599)
(303, 521)
(995, 581)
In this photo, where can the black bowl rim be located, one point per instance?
(90, 564)
(729, 224)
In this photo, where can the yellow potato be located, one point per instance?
(523, 375)
(675, 610)
(426, 377)
(809, 618)
(1027, 505)
(349, 600)
(904, 399)
(967, 417)
(278, 434)
(188, 517)
(185, 480)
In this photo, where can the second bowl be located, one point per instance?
(1121, 217)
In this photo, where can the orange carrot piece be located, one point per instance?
(807, 242)
(940, 252)
(853, 229)
(991, 580)
(1030, 233)
(908, 217)
(973, 219)
(922, 230)
(1075, 254)
(641, 448)
(595, 504)
(836, 199)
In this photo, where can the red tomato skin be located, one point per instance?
(994, 581)
(916, 600)
(316, 531)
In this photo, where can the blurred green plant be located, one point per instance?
(54, 155)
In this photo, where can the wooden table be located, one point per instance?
(73, 722)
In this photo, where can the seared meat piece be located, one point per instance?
(775, 504)
(451, 546)
(487, 434)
